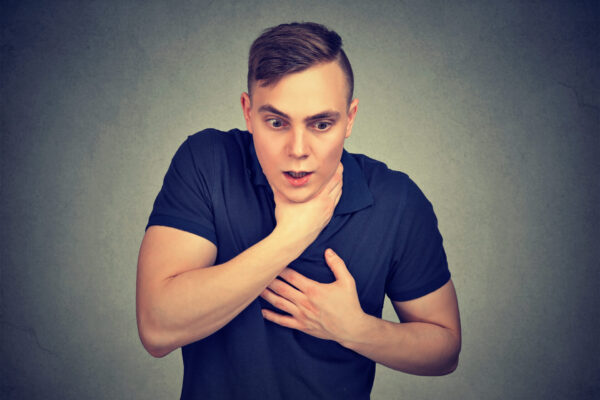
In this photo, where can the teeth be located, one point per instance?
(297, 174)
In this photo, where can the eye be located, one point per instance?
(275, 123)
(322, 126)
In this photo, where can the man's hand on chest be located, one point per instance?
(327, 311)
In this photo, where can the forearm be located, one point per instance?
(414, 347)
(193, 305)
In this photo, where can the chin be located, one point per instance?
(299, 196)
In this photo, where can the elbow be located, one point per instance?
(152, 345)
(451, 368)
(441, 369)
(438, 370)
(450, 363)
(156, 351)
(153, 340)
(453, 361)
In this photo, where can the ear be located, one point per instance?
(246, 106)
(351, 115)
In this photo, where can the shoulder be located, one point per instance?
(223, 149)
(211, 152)
(388, 185)
(209, 140)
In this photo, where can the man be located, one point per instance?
(268, 253)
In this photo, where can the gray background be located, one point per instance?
(491, 107)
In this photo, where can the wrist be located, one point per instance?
(288, 242)
(361, 328)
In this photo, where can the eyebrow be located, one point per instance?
(322, 115)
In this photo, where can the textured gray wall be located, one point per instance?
(491, 107)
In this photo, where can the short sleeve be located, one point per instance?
(419, 264)
(184, 200)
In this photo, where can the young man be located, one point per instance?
(268, 253)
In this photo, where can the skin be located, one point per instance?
(426, 342)
(288, 136)
(179, 300)
(300, 124)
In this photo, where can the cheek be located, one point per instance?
(337, 147)
(267, 153)
(332, 156)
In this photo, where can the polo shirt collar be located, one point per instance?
(355, 193)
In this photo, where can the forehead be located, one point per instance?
(320, 87)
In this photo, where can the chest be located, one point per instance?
(361, 239)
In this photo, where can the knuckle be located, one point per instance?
(312, 309)
(283, 291)
(312, 292)
(279, 303)
(306, 305)
(289, 277)
(278, 285)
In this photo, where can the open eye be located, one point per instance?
(275, 123)
(322, 126)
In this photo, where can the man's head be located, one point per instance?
(299, 108)
(289, 48)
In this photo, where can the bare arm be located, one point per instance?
(427, 342)
(181, 297)
(196, 301)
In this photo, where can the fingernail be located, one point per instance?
(329, 252)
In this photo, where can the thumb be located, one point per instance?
(337, 265)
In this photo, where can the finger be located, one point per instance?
(279, 302)
(337, 265)
(283, 320)
(286, 290)
(297, 279)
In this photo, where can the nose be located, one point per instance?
(297, 146)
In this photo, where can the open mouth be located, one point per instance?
(297, 175)
(297, 178)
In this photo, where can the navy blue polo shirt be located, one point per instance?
(383, 228)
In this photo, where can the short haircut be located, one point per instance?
(294, 47)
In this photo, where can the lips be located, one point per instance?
(296, 174)
(297, 178)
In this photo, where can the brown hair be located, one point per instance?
(294, 47)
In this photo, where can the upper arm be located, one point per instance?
(419, 265)
(166, 252)
(439, 307)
